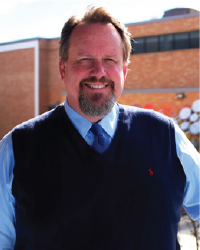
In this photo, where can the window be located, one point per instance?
(166, 42)
(194, 39)
(139, 45)
(152, 44)
(181, 41)
(184, 40)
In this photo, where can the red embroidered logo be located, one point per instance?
(150, 172)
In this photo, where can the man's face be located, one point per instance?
(94, 72)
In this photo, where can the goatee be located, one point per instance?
(97, 104)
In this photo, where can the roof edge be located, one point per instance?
(28, 40)
(165, 19)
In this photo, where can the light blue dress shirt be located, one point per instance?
(188, 155)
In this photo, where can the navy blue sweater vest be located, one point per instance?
(70, 197)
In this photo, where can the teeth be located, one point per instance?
(97, 86)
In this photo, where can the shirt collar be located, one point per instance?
(108, 123)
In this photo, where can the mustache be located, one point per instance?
(94, 79)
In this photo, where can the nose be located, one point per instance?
(97, 69)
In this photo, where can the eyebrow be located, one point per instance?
(90, 55)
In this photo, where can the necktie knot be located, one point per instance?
(96, 129)
(100, 144)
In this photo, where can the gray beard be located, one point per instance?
(97, 104)
(88, 106)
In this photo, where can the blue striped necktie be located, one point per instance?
(100, 144)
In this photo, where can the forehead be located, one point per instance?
(96, 35)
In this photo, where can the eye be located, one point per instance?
(109, 61)
(85, 59)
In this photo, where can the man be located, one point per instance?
(65, 185)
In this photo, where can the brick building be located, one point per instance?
(165, 62)
(164, 67)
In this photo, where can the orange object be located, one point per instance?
(149, 106)
(168, 109)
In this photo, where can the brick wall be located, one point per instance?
(171, 69)
(51, 86)
(16, 88)
(164, 26)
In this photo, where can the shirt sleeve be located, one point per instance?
(7, 213)
(190, 160)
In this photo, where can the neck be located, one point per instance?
(92, 119)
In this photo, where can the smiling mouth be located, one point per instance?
(96, 86)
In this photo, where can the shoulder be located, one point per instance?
(39, 129)
(148, 125)
(39, 122)
(143, 115)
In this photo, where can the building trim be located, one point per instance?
(28, 45)
(153, 91)
(27, 40)
(163, 19)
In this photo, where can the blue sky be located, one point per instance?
(22, 19)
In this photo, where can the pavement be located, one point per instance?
(186, 240)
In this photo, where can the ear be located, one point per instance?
(61, 68)
(125, 71)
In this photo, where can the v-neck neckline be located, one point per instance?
(83, 144)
